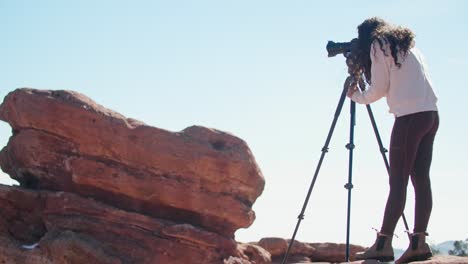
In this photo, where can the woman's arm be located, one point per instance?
(380, 80)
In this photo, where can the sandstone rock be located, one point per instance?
(434, 260)
(97, 187)
(63, 141)
(306, 252)
(444, 260)
(275, 245)
(70, 229)
(333, 252)
(253, 253)
(315, 253)
(236, 260)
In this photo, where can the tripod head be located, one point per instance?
(355, 71)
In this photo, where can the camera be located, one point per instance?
(350, 50)
(335, 48)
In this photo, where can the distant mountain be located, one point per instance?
(444, 247)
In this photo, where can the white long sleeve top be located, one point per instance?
(408, 88)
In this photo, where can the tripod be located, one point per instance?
(353, 79)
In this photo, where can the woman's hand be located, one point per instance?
(351, 90)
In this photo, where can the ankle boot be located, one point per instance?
(417, 250)
(381, 250)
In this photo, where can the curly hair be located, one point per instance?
(400, 40)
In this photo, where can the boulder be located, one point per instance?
(64, 141)
(96, 187)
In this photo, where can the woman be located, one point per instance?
(395, 69)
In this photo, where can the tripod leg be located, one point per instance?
(383, 151)
(324, 151)
(349, 185)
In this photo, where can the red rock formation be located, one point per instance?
(306, 252)
(249, 253)
(72, 229)
(107, 189)
(309, 253)
(433, 260)
(64, 141)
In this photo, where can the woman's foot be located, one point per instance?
(381, 250)
(417, 250)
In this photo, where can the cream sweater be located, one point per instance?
(408, 88)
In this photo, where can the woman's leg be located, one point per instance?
(407, 134)
(418, 248)
(421, 180)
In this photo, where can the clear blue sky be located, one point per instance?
(259, 70)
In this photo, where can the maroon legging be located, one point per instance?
(411, 154)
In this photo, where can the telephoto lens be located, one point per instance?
(335, 48)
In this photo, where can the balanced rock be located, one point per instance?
(96, 177)
(64, 141)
